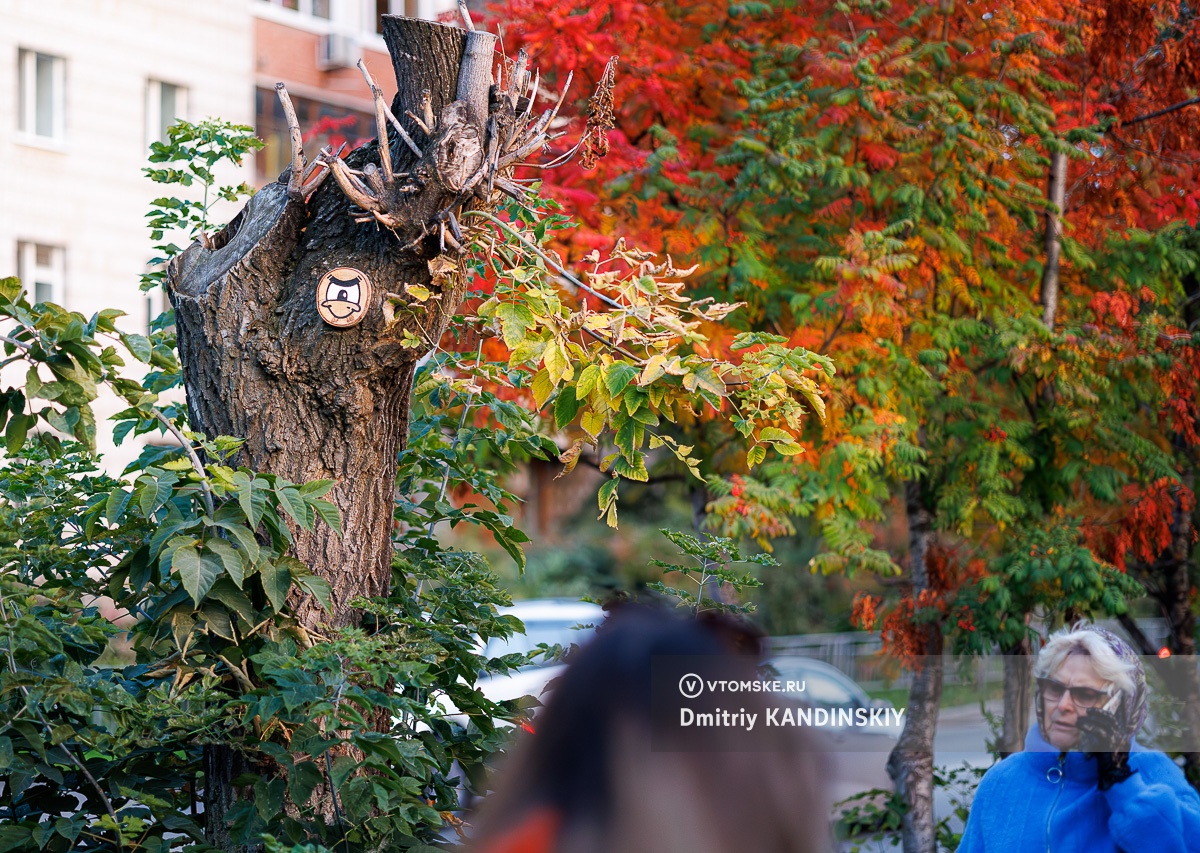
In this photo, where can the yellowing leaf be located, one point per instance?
(418, 292)
(592, 423)
(655, 367)
(542, 388)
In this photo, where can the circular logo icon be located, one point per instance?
(343, 297)
(690, 685)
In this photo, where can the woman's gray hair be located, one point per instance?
(1106, 663)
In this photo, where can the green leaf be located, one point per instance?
(303, 779)
(138, 346)
(318, 588)
(18, 428)
(565, 407)
(235, 602)
(276, 581)
(587, 381)
(218, 621)
(231, 558)
(617, 376)
(196, 571)
(328, 513)
(252, 496)
(293, 504)
(244, 538)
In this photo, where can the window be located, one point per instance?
(315, 8)
(166, 103)
(325, 125)
(43, 272)
(42, 81)
(407, 8)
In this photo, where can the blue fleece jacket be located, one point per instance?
(1024, 806)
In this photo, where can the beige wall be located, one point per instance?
(86, 193)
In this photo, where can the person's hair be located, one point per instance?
(590, 763)
(1082, 641)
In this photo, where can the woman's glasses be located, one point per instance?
(1083, 697)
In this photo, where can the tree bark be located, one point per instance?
(313, 401)
(1018, 674)
(1058, 193)
(911, 763)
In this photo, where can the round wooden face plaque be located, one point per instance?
(343, 297)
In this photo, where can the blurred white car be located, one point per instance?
(548, 621)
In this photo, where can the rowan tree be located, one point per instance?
(947, 204)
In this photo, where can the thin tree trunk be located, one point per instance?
(699, 496)
(1058, 194)
(1181, 620)
(1018, 673)
(222, 764)
(911, 763)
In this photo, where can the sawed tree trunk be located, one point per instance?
(313, 401)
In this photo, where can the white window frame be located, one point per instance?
(305, 8)
(154, 101)
(27, 119)
(52, 275)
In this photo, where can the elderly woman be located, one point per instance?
(1083, 783)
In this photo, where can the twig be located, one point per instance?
(466, 15)
(557, 267)
(191, 452)
(296, 179)
(15, 342)
(385, 152)
(1159, 113)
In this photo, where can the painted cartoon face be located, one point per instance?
(343, 296)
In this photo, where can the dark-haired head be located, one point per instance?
(589, 766)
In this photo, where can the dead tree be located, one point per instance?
(315, 400)
(328, 398)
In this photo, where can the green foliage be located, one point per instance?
(66, 358)
(872, 820)
(1044, 568)
(713, 557)
(147, 620)
(193, 153)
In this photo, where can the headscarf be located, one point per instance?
(1133, 709)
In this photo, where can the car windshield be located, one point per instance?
(562, 632)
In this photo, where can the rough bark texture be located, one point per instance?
(222, 765)
(911, 763)
(312, 401)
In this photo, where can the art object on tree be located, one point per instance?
(343, 296)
